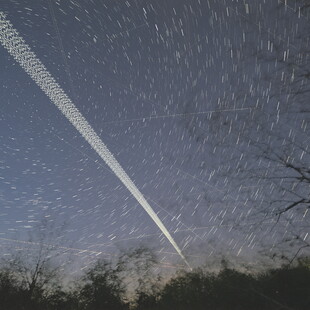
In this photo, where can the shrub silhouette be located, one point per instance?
(103, 286)
(102, 289)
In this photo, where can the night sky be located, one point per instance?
(175, 89)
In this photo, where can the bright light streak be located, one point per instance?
(27, 59)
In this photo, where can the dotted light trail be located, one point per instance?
(27, 59)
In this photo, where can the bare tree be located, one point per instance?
(262, 151)
(34, 265)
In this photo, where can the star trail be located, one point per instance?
(195, 110)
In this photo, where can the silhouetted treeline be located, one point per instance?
(105, 286)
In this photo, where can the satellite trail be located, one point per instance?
(27, 59)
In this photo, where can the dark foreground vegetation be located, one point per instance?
(132, 284)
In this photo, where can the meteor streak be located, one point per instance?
(17, 47)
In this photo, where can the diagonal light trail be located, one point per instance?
(16, 46)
